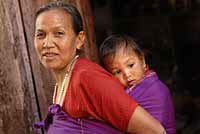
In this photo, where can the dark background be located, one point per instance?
(169, 33)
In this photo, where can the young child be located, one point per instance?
(122, 57)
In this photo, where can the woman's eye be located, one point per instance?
(59, 34)
(40, 35)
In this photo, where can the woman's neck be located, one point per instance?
(61, 73)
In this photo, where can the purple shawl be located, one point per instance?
(58, 122)
(155, 97)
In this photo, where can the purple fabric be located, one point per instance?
(150, 93)
(155, 97)
(58, 122)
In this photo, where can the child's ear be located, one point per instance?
(80, 40)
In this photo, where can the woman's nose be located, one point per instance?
(48, 42)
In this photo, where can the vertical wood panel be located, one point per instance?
(42, 78)
(88, 21)
(17, 97)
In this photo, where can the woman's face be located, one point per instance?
(127, 66)
(55, 40)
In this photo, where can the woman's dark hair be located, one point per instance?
(111, 44)
(77, 22)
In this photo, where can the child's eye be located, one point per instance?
(117, 72)
(130, 65)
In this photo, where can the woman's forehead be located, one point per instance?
(58, 12)
(57, 17)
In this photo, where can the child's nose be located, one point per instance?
(127, 74)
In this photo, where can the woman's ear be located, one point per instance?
(80, 40)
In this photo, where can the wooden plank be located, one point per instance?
(88, 21)
(43, 80)
(17, 97)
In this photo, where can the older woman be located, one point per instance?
(83, 89)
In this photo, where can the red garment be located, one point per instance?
(94, 92)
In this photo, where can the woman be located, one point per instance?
(83, 89)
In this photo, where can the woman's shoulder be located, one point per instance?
(88, 66)
(83, 63)
(85, 67)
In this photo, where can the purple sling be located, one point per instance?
(155, 97)
(58, 122)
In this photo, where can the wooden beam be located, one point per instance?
(18, 102)
(88, 21)
(43, 80)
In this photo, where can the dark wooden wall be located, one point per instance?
(25, 86)
(17, 96)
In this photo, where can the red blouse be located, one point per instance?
(94, 92)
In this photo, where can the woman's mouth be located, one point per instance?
(49, 55)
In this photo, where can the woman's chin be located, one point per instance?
(50, 66)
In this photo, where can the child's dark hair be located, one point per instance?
(112, 43)
(77, 22)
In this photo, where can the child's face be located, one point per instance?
(127, 66)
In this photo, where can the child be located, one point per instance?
(122, 57)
